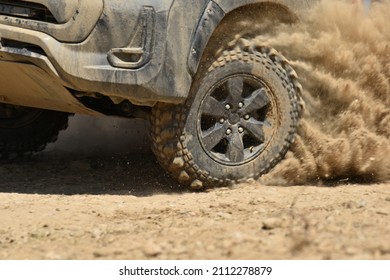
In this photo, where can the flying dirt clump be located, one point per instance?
(342, 57)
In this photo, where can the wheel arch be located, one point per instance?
(223, 17)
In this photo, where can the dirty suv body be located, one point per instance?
(223, 109)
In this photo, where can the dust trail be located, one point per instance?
(343, 60)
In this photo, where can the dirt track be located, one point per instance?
(80, 200)
(58, 205)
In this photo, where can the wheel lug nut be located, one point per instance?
(240, 105)
(241, 129)
(228, 106)
(222, 120)
(228, 131)
(246, 117)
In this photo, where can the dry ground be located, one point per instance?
(61, 205)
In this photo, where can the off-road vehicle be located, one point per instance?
(222, 108)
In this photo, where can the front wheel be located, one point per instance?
(237, 124)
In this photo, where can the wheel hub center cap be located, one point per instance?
(234, 118)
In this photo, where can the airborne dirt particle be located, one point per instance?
(342, 57)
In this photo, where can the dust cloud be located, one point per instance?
(342, 56)
(92, 136)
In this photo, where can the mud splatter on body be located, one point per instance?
(342, 57)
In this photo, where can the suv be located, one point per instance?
(222, 108)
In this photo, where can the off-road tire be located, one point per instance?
(26, 130)
(179, 135)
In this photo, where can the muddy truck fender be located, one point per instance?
(224, 20)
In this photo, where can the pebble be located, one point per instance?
(97, 233)
(272, 223)
(362, 204)
(151, 249)
(224, 215)
(354, 204)
(98, 254)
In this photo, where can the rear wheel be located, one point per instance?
(237, 124)
(25, 130)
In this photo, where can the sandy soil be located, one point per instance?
(80, 200)
(59, 205)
